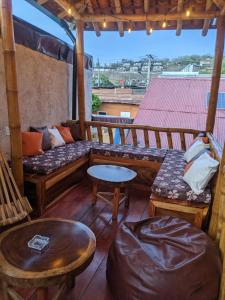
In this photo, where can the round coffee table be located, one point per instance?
(116, 177)
(70, 250)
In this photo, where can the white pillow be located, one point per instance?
(56, 138)
(200, 173)
(195, 149)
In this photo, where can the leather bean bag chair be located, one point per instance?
(163, 258)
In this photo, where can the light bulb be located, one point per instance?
(104, 24)
(188, 13)
(150, 30)
(129, 29)
(69, 11)
(164, 24)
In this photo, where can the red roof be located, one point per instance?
(181, 103)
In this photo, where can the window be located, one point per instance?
(125, 114)
(220, 101)
(102, 113)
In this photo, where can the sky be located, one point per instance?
(110, 47)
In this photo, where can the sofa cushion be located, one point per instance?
(129, 152)
(32, 143)
(65, 132)
(169, 181)
(56, 158)
(56, 138)
(201, 172)
(46, 143)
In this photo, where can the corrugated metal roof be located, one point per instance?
(181, 103)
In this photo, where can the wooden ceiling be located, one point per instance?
(149, 15)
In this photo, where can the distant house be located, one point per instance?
(133, 69)
(119, 102)
(180, 103)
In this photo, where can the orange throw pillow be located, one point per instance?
(65, 133)
(32, 143)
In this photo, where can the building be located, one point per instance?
(181, 103)
(120, 102)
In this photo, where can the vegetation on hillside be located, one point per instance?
(102, 81)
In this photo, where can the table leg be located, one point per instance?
(4, 290)
(42, 294)
(116, 200)
(94, 193)
(70, 282)
(127, 202)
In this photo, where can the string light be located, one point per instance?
(164, 24)
(69, 11)
(129, 28)
(188, 13)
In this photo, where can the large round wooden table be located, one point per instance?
(70, 250)
(116, 177)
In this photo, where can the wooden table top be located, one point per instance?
(71, 245)
(111, 173)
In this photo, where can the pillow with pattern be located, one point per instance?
(199, 172)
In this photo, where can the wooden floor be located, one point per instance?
(76, 205)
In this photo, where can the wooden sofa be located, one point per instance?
(171, 195)
(49, 175)
(189, 206)
(147, 161)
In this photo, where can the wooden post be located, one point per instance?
(216, 74)
(8, 45)
(80, 74)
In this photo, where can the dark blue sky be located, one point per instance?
(110, 47)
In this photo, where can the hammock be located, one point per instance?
(13, 207)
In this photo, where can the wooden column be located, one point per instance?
(8, 44)
(80, 74)
(216, 74)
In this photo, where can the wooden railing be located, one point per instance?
(148, 133)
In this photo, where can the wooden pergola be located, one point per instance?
(121, 16)
(113, 15)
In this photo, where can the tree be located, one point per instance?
(105, 82)
(223, 66)
(96, 103)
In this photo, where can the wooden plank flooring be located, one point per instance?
(76, 205)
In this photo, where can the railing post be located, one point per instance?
(216, 74)
(80, 75)
(8, 44)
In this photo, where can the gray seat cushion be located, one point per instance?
(56, 158)
(169, 180)
(129, 152)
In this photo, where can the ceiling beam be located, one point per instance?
(95, 25)
(41, 2)
(119, 11)
(67, 6)
(222, 12)
(205, 28)
(62, 15)
(150, 17)
(219, 3)
(83, 7)
(180, 5)
(146, 9)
